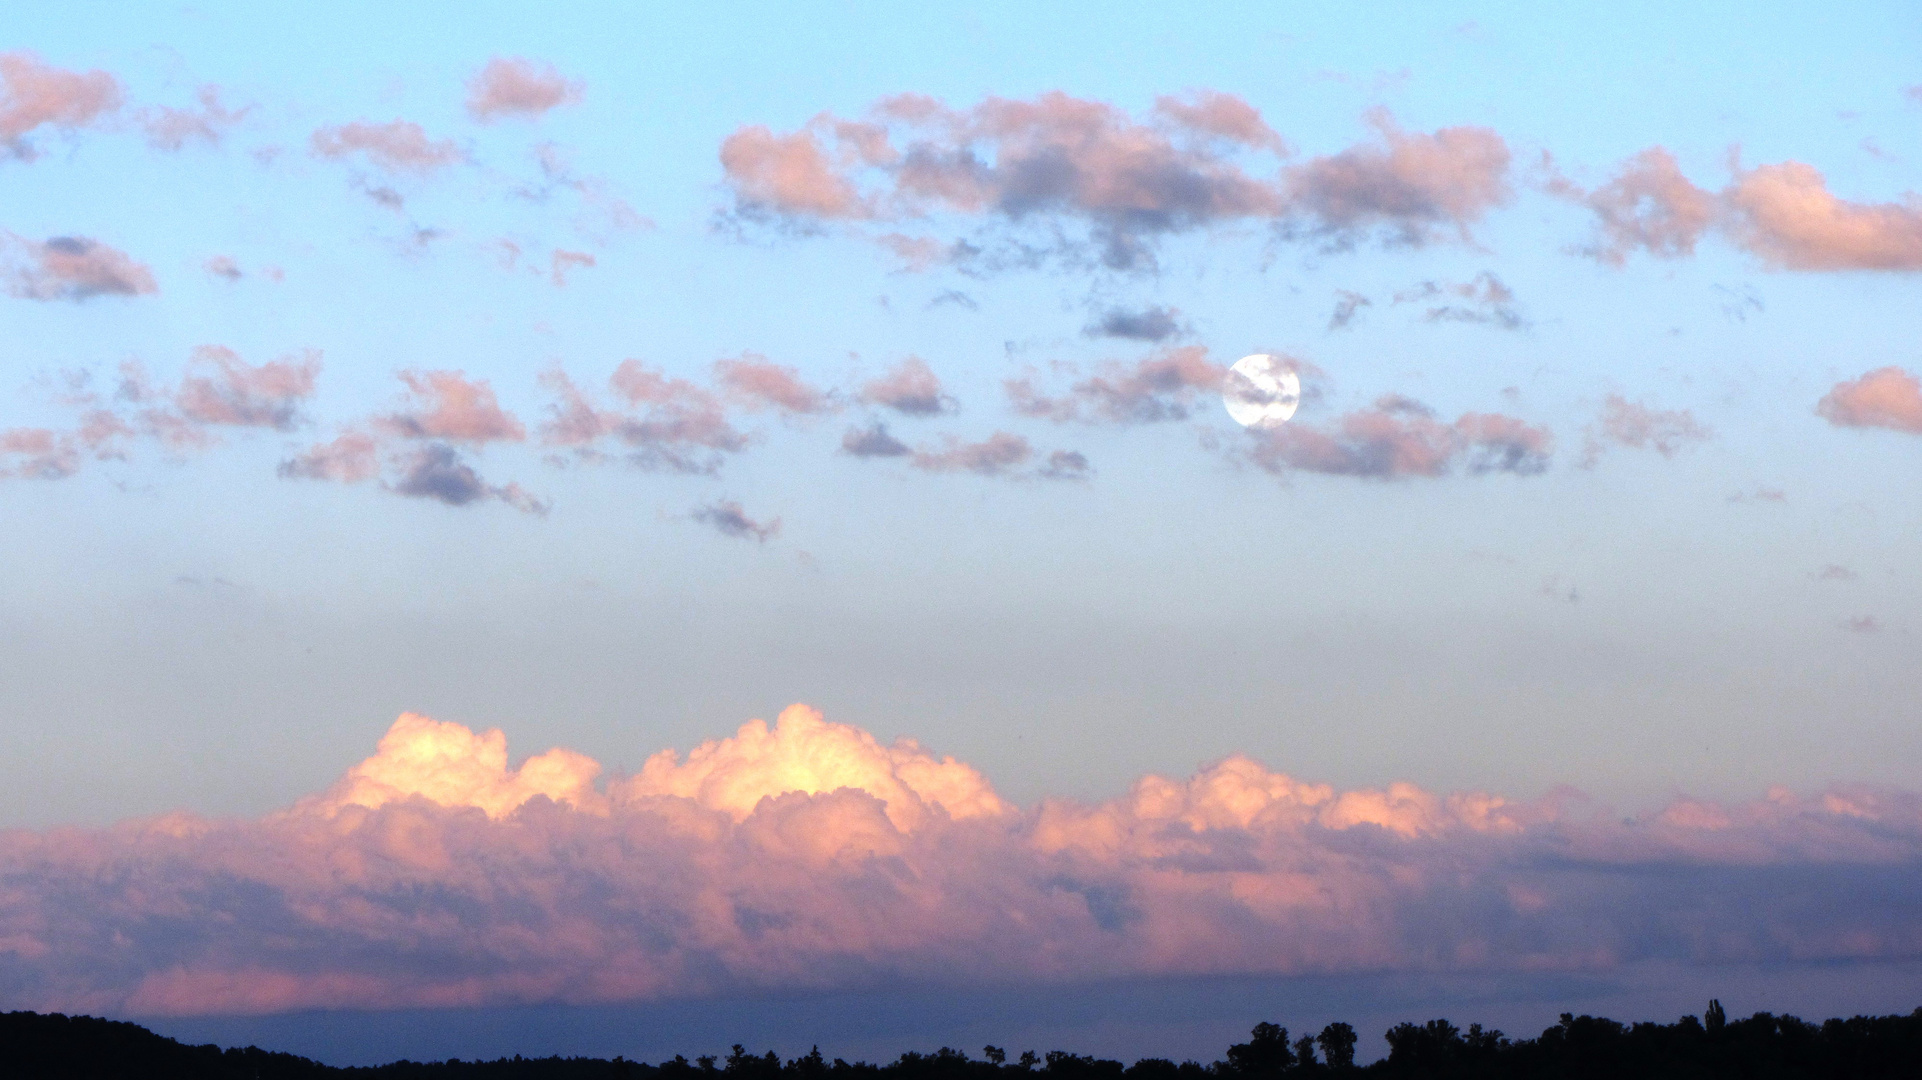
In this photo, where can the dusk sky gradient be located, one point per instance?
(608, 376)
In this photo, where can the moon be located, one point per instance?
(1261, 392)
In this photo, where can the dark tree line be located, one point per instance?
(1763, 1047)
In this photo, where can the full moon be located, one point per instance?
(1260, 392)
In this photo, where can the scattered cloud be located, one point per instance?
(1154, 324)
(756, 383)
(1556, 589)
(510, 87)
(1887, 397)
(1399, 437)
(1834, 572)
(1347, 306)
(70, 268)
(998, 455)
(730, 520)
(873, 441)
(808, 853)
(352, 457)
(910, 387)
(34, 94)
(1632, 424)
(221, 389)
(1484, 300)
(172, 129)
(1066, 465)
(1783, 214)
(1160, 388)
(223, 267)
(661, 423)
(564, 261)
(1055, 160)
(447, 405)
(398, 146)
(1862, 624)
(1760, 494)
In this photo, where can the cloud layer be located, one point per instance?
(810, 854)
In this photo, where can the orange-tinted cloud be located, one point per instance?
(448, 405)
(34, 94)
(1411, 187)
(910, 387)
(1886, 397)
(397, 146)
(660, 422)
(70, 268)
(808, 855)
(757, 383)
(512, 87)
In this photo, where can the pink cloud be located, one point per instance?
(729, 519)
(222, 389)
(33, 94)
(662, 422)
(757, 383)
(910, 387)
(1886, 397)
(1633, 424)
(997, 455)
(1399, 438)
(72, 268)
(808, 855)
(448, 405)
(1786, 216)
(39, 453)
(223, 267)
(510, 86)
(1160, 388)
(397, 146)
(564, 261)
(1783, 214)
(172, 129)
(1485, 299)
(1411, 186)
(350, 458)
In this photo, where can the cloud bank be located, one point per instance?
(808, 854)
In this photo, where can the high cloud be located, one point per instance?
(1784, 214)
(1399, 437)
(70, 268)
(1886, 397)
(34, 94)
(809, 855)
(1193, 162)
(517, 88)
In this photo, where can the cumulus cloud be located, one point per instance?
(1160, 388)
(1886, 397)
(660, 422)
(998, 455)
(34, 94)
(1484, 300)
(70, 268)
(350, 458)
(1633, 424)
(399, 146)
(1400, 437)
(221, 389)
(437, 471)
(873, 441)
(511, 87)
(172, 129)
(729, 519)
(910, 387)
(449, 405)
(809, 855)
(224, 267)
(757, 383)
(1783, 214)
(1124, 182)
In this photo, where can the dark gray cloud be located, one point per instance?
(1154, 324)
(873, 441)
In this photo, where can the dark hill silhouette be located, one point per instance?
(1763, 1047)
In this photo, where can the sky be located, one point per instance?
(821, 405)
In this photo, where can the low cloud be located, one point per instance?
(173, 129)
(1158, 389)
(72, 268)
(1400, 437)
(1155, 324)
(873, 441)
(437, 471)
(511, 87)
(758, 384)
(911, 388)
(221, 389)
(998, 455)
(808, 855)
(729, 519)
(657, 423)
(1348, 306)
(34, 94)
(1782, 214)
(1641, 427)
(398, 146)
(1055, 164)
(1886, 398)
(450, 406)
(1485, 300)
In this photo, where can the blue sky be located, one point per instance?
(200, 633)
